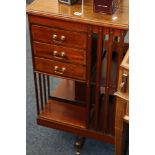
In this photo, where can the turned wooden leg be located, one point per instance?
(79, 144)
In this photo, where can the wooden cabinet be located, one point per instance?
(122, 106)
(85, 52)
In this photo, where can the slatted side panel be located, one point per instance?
(111, 48)
(42, 90)
(119, 35)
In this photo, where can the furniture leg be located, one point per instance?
(79, 142)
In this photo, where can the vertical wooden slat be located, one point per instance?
(112, 106)
(98, 75)
(112, 116)
(88, 90)
(107, 82)
(105, 32)
(36, 92)
(120, 53)
(48, 85)
(109, 57)
(44, 85)
(41, 94)
(120, 34)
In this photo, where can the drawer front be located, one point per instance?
(59, 37)
(60, 68)
(59, 53)
(55, 23)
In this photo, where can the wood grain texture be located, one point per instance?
(98, 75)
(48, 66)
(45, 91)
(53, 9)
(72, 39)
(62, 24)
(36, 93)
(75, 130)
(41, 91)
(72, 55)
(120, 53)
(107, 83)
(64, 113)
(65, 90)
(88, 75)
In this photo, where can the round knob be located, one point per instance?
(54, 36)
(55, 53)
(63, 54)
(55, 68)
(63, 38)
(63, 69)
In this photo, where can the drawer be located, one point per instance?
(60, 68)
(55, 23)
(60, 53)
(59, 37)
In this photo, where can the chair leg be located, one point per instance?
(79, 142)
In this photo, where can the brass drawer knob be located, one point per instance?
(55, 68)
(63, 54)
(63, 69)
(59, 70)
(54, 36)
(55, 53)
(59, 55)
(63, 38)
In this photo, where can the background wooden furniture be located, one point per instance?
(78, 45)
(122, 106)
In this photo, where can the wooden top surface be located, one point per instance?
(52, 8)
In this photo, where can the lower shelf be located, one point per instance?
(76, 130)
(69, 114)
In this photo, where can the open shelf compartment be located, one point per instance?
(67, 114)
(59, 101)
